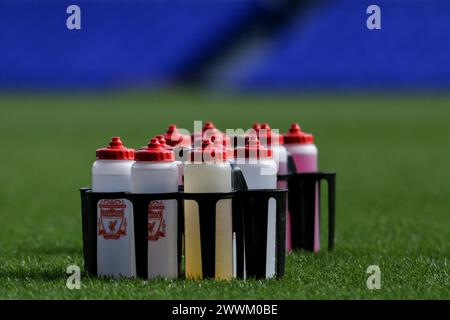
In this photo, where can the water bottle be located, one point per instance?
(181, 145)
(208, 171)
(115, 233)
(155, 171)
(260, 172)
(275, 142)
(304, 153)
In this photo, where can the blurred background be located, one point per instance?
(377, 102)
(225, 44)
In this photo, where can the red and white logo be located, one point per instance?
(112, 223)
(156, 222)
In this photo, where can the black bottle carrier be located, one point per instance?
(304, 191)
(249, 227)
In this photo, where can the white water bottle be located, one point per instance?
(260, 172)
(181, 145)
(155, 171)
(115, 232)
(275, 142)
(210, 131)
(208, 171)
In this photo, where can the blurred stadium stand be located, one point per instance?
(328, 46)
(300, 44)
(130, 42)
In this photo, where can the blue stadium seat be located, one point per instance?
(121, 42)
(329, 46)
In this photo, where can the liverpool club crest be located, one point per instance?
(112, 223)
(156, 222)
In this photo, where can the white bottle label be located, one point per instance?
(115, 238)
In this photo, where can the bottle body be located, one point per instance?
(159, 177)
(280, 155)
(262, 174)
(115, 233)
(181, 153)
(305, 157)
(111, 175)
(204, 178)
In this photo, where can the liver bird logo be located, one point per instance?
(112, 223)
(112, 226)
(156, 222)
(151, 227)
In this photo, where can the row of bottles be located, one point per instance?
(173, 160)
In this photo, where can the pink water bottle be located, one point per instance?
(304, 153)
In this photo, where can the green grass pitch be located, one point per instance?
(391, 154)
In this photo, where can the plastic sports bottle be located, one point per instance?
(210, 131)
(181, 145)
(275, 142)
(162, 141)
(115, 232)
(304, 153)
(208, 171)
(260, 172)
(112, 170)
(175, 138)
(155, 171)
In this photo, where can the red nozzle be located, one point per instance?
(115, 151)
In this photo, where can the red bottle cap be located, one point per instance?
(214, 132)
(174, 137)
(253, 150)
(115, 151)
(217, 140)
(155, 152)
(162, 142)
(256, 126)
(269, 134)
(296, 135)
(209, 151)
(208, 126)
